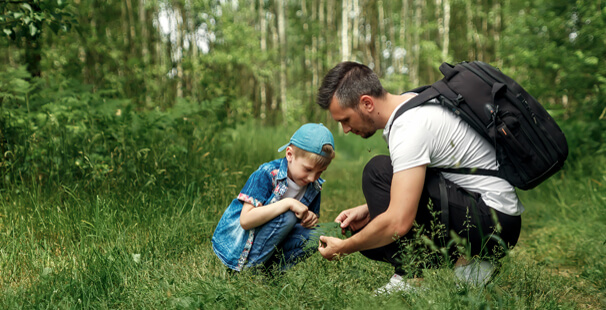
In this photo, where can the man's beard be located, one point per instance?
(371, 124)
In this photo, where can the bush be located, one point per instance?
(65, 133)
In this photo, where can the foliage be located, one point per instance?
(559, 48)
(26, 19)
(122, 143)
(67, 133)
(78, 246)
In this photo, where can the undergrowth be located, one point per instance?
(86, 238)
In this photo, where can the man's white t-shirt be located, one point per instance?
(432, 135)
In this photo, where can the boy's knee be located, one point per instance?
(290, 219)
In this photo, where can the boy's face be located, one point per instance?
(302, 170)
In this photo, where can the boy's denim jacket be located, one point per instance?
(265, 186)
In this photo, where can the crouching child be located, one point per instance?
(271, 219)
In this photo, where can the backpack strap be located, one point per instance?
(478, 171)
(425, 94)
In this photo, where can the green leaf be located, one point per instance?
(27, 6)
(32, 29)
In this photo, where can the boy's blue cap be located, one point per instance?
(311, 138)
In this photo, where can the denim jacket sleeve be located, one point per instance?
(314, 206)
(258, 188)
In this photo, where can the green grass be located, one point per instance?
(149, 247)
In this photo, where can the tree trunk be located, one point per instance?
(330, 13)
(446, 36)
(414, 67)
(282, 39)
(356, 24)
(470, 30)
(497, 32)
(145, 51)
(178, 57)
(131, 27)
(405, 36)
(263, 45)
(344, 31)
(379, 42)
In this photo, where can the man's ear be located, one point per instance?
(367, 103)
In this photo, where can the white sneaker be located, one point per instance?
(395, 284)
(478, 272)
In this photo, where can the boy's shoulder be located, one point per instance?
(273, 166)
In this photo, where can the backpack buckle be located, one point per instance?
(458, 100)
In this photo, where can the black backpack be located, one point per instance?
(530, 146)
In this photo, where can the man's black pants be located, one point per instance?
(469, 217)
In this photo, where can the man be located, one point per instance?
(484, 210)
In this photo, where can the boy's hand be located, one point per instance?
(310, 220)
(299, 209)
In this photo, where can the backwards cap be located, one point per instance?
(311, 138)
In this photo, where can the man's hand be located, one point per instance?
(330, 247)
(354, 218)
(310, 220)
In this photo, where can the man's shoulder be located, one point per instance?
(426, 112)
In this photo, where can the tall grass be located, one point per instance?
(146, 244)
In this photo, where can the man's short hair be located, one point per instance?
(348, 81)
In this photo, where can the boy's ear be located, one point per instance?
(290, 153)
(367, 103)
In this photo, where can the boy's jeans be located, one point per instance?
(284, 233)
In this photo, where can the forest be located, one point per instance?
(126, 127)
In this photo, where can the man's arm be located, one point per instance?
(396, 221)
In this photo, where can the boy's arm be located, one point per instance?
(252, 217)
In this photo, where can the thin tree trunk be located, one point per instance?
(446, 36)
(380, 35)
(356, 24)
(275, 100)
(414, 69)
(497, 31)
(470, 29)
(263, 43)
(405, 35)
(344, 30)
(440, 21)
(282, 38)
(144, 49)
(484, 23)
(330, 13)
(131, 27)
(178, 56)
(125, 32)
(193, 47)
(314, 45)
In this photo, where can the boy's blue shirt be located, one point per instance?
(265, 186)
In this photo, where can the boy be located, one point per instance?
(278, 206)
